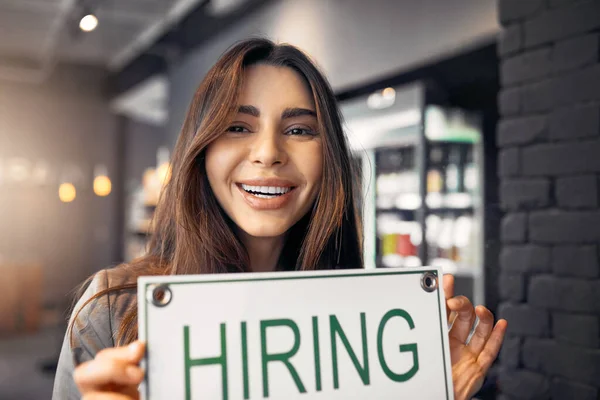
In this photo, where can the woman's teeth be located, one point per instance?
(266, 192)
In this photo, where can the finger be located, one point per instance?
(132, 353)
(464, 320)
(95, 374)
(106, 396)
(482, 330)
(448, 283)
(492, 347)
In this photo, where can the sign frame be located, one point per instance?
(152, 282)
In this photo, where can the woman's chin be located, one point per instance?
(265, 232)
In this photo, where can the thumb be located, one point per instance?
(448, 284)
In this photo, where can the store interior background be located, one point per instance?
(76, 106)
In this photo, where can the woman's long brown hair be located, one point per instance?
(193, 235)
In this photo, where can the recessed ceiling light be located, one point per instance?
(88, 23)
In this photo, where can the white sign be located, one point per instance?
(353, 334)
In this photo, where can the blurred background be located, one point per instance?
(475, 124)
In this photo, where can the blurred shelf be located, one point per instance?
(434, 201)
(395, 210)
(452, 201)
(450, 210)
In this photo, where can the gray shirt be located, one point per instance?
(94, 328)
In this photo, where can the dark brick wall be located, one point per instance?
(548, 140)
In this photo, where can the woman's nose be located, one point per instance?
(267, 149)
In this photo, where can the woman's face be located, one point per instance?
(265, 170)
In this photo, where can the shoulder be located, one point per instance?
(92, 326)
(99, 311)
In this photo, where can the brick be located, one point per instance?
(510, 353)
(511, 10)
(511, 287)
(575, 363)
(525, 259)
(576, 87)
(580, 330)
(577, 191)
(514, 228)
(537, 97)
(566, 361)
(561, 158)
(524, 194)
(528, 66)
(560, 3)
(564, 227)
(576, 52)
(576, 261)
(509, 101)
(523, 384)
(563, 389)
(564, 294)
(534, 353)
(562, 22)
(509, 162)
(510, 39)
(524, 320)
(571, 123)
(521, 130)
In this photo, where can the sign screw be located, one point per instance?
(159, 295)
(429, 282)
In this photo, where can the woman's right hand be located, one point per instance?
(114, 374)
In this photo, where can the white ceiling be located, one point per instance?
(39, 29)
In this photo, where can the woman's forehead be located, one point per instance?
(275, 87)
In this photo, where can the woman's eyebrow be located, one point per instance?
(297, 112)
(250, 110)
(287, 113)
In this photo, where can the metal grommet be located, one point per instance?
(429, 282)
(159, 295)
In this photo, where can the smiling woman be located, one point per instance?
(262, 180)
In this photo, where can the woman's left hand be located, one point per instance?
(470, 361)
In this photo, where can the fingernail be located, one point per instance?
(134, 373)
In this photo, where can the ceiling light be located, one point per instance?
(88, 23)
(67, 192)
(102, 183)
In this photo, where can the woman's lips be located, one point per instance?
(273, 203)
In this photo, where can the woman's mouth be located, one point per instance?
(266, 195)
(266, 192)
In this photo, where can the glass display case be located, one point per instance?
(422, 183)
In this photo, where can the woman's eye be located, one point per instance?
(237, 129)
(300, 132)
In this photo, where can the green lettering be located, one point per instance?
(403, 348)
(317, 349)
(219, 360)
(283, 357)
(245, 361)
(363, 371)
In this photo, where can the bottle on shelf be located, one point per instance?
(463, 241)
(398, 240)
(453, 170)
(435, 176)
(471, 179)
(433, 224)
